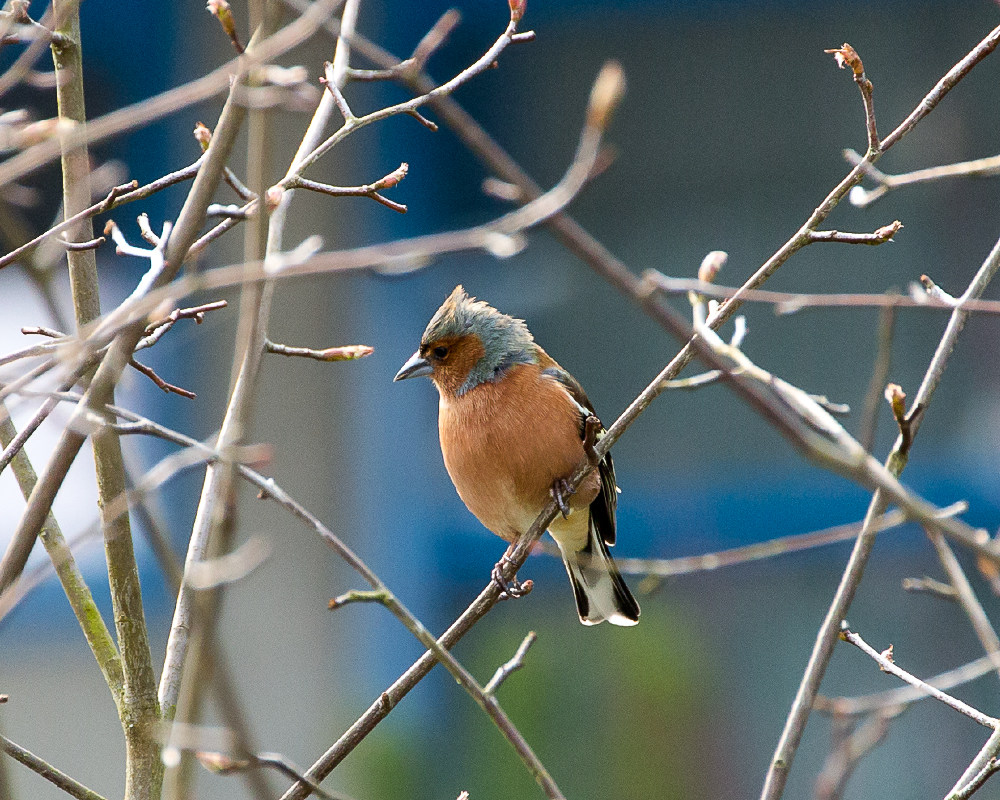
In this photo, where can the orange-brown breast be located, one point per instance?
(505, 443)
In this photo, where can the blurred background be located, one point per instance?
(730, 134)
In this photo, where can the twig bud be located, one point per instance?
(897, 400)
(847, 56)
(392, 178)
(202, 135)
(517, 9)
(220, 763)
(221, 11)
(606, 94)
(711, 264)
(272, 197)
(886, 232)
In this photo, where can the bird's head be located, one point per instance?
(466, 343)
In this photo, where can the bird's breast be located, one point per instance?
(505, 443)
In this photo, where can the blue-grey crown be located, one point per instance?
(506, 340)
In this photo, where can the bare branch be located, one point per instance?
(47, 771)
(345, 353)
(167, 387)
(515, 663)
(886, 664)
(368, 190)
(926, 585)
(671, 567)
(847, 56)
(881, 236)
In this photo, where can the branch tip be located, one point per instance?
(711, 264)
(609, 87)
(221, 10)
(202, 135)
(847, 56)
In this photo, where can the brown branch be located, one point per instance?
(881, 236)
(426, 47)
(431, 126)
(156, 330)
(847, 56)
(368, 190)
(167, 387)
(118, 196)
(516, 662)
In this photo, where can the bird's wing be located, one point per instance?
(603, 508)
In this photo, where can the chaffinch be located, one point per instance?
(513, 425)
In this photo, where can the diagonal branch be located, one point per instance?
(58, 777)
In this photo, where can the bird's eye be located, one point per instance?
(440, 351)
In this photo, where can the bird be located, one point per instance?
(513, 427)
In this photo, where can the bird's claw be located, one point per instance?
(513, 590)
(560, 491)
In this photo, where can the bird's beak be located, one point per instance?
(415, 367)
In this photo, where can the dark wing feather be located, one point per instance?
(603, 508)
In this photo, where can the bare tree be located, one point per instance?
(79, 365)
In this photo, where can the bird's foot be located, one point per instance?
(592, 427)
(515, 588)
(561, 492)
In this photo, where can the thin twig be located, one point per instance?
(861, 197)
(791, 302)
(886, 664)
(515, 663)
(880, 373)
(167, 387)
(684, 565)
(47, 771)
(368, 190)
(966, 595)
(881, 236)
(118, 196)
(906, 695)
(926, 585)
(162, 105)
(343, 353)
(983, 757)
(973, 786)
(847, 56)
(827, 635)
(353, 123)
(225, 765)
(852, 742)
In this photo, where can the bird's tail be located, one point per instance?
(600, 590)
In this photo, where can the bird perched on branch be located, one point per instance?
(514, 426)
